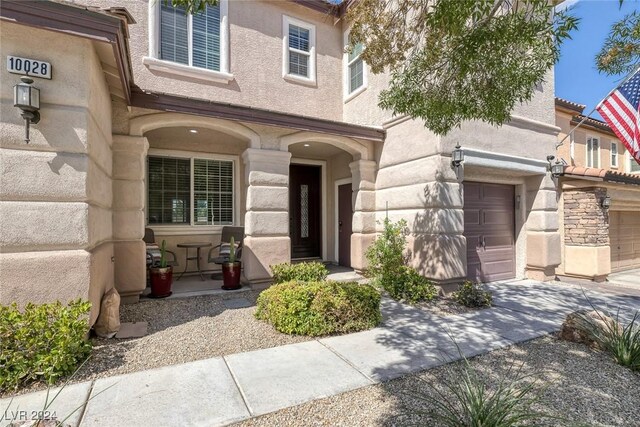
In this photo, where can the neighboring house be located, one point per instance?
(252, 115)
(595, 240)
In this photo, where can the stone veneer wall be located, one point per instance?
(586, 234)
(586, 223)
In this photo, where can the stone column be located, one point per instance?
(363, 173)
(543, 238)
(266, 222)
(129, 165)
(586, 234)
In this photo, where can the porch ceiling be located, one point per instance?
(206, 140)
(314, 150)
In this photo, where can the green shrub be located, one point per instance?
(319, 308)
(411, 286)
(42, 342)
(622, 342)
(385, 255)
(472, 295)
(462, 398)
(303, 272)
(388, 270)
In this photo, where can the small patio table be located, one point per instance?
(197, 246)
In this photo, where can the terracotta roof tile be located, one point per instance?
(570, 104)
(604, 174)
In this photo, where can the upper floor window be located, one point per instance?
(593, 152)
(634, 167)
(355, 71)
(194, 46)
(190, 191)
(190, 39)
(299, 50)
(614, 155)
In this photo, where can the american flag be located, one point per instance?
(621, 111)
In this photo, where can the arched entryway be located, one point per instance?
(325, 198)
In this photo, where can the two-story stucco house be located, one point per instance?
(251, 114)
(600, 199)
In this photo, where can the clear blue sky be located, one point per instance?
(577, 78)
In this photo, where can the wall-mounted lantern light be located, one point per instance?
(457, 157)
(27, 98)
(557, 168)
(605, 202)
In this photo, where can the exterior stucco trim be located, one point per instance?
(199, 107)
(489, 159)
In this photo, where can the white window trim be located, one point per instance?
(611, 158)
(598, 154)
(154, 63)
(311, 80)
(345, 73)
(194, 228)
(629, 160)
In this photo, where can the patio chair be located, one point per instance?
(223, 248)
(153, 250)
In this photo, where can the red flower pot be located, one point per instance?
(231, 275)
(161, 280)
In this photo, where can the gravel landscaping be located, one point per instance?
(586, 388)
(194, 328)
(180, 330)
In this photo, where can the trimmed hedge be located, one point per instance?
(42, 342)
(303, 272)
(320, 307)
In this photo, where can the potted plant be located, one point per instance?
(231, 269)
(161, 275)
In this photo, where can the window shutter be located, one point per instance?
(174, 40)
(206, 39)
(169, 190)
(213, 192)
(298, 40)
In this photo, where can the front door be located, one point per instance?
(489, 227)
(304, 211)
(345, 218)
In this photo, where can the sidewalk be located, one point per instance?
(221, 391)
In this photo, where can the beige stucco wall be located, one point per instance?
(255, 47)
(56, 196)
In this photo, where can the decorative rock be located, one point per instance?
(584, 326)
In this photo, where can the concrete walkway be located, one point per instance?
(224, 390)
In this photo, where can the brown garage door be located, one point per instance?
(489, 229)
(624, 234)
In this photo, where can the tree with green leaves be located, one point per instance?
(451, 61)
(620, 53)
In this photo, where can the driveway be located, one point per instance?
(629, 278)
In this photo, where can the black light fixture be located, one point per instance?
(457, 156)
(605, 202)
(557, 168)
(27, 98)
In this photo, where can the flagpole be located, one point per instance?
(626, 79)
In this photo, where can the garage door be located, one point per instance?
(624, 235)
(490, 231)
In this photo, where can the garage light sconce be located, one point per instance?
(605, 202)
(457, 157)
(27, 98)
(557, 168)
